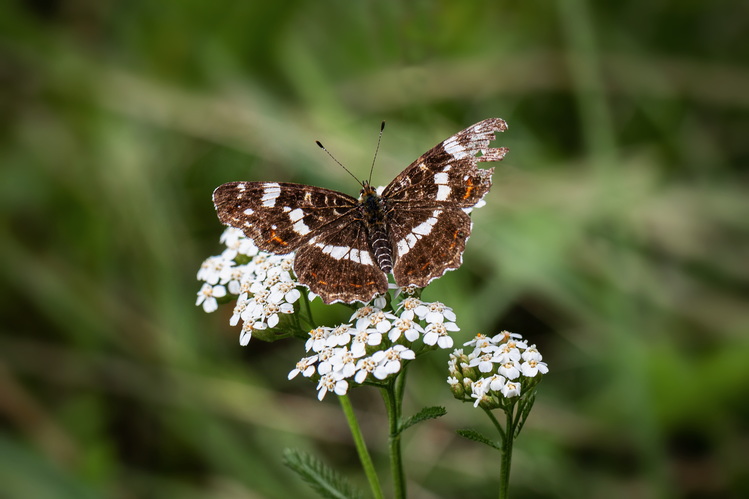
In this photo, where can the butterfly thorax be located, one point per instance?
(373, 212)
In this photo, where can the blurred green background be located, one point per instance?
(615, 237)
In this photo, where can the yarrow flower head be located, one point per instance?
(373, 347)
(262, 284)
(375, 344)
(498, 370)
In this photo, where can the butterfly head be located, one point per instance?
(367, 191)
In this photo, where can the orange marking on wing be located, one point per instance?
(424, 266)
(275, 239)
(469, 183)
(361, 285)
(455, 239)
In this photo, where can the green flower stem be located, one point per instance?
(504, 472)
(508, 438)
(392, 403)
(496, 424)
(310, 321)
(361, 447)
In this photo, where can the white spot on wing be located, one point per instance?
(270, 194)
(440, 178)
(296, 215)
(301, 228)
(341, 252)
(455, 148)
(423, 229)
(335, 252)
(443, 192)
(248, 211)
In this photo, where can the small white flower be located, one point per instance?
(496, 382)
(284, 291)
(532, 353)
(389, 361)
(247, 329)
(326, 358)
(271, 311)
(305, 366)
(318, 339)
(532, 367)
(239, 309)
(485, 362)
(208, 294)
(344, 362)
(478, 391)
(437, 333)
(482, 344)
(331, 383)
(434, 313)
(211, 268)
(408, 306)
(340, 336)
(511, 389)
(405, 327)
(364, 367)
(509, 370)
(504, 337)
(365, 338)
(375, 318)
(232, 277)
(380, 301)
(508, 352)
(237, 243)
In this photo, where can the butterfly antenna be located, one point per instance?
(377, 149)
(339, 163)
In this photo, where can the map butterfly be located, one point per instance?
(415, 228)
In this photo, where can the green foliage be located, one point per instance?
(423, 415)
(524, 408)
(324, 480)
(478, 437)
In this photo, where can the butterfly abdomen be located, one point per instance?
(373, 214)
(383, 252)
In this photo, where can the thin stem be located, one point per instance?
(509, 439)
(496, 424)
(396, 460)
(309, 319)
(361, 447)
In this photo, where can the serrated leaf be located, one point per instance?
(424, 414)
(324, 480)
(478, 437)
(525, 410)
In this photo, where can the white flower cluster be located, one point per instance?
(261, 281)
(503, 366)
(374, 344)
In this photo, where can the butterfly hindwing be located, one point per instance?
(427, 243)
(341, 250)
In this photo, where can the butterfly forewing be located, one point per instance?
(447, 174)
(279, 217)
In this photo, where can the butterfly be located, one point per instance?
(415, 228)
